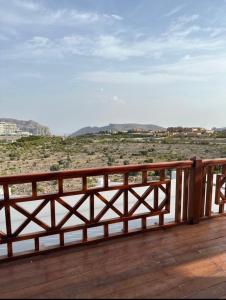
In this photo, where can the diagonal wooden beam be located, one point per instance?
(162, 189)
(30, 217)
(141, 200)
(72, 211)
(2, 234)
(109, 205)
(162, 204)
(222, 195)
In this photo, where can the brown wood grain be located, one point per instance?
(133, 267)
(189, 202)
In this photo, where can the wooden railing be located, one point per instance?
(105, 203)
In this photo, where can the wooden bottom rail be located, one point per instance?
(85, 242)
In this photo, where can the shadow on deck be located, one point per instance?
(181, 262)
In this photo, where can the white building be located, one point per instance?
(8, 128)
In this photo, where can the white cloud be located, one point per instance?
(27, 4)
(217, 31)
(117, 17)
(188, 69)
(24, 12)
(118, 100)
(114, 48)
(174, 11)
(110, 47)
(30, 75)
(181, 24)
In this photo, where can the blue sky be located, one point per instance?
(70, 64)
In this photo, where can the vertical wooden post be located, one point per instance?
(126, 203)
(195, 191)
(178, 205)
(92, 208)
(8, 219)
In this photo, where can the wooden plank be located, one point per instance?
(85, 235)
(60, 186)
(185, 194)
(53, 213)
(144, 223)
(106, 183)
(84, 183)
(37, 245)
(161, 220)
(195, 191)
(8, 220)
(61, 239)
(209, 192)
(34, 189)
(156, 198)
(126, 204)
(106, 230)
(158, 274)
(178, 196)
(92, 208)
(203, 201)
(144, 177)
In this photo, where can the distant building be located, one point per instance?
(186, 131)
(8, 128)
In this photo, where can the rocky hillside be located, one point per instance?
(29, 126)
(117, 128)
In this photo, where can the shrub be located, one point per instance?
(54, 168)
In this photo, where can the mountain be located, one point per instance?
(28, 126)
(117, 128)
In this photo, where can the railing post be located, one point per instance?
(195, 191)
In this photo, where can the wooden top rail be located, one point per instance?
(214, 162)
(94, 172)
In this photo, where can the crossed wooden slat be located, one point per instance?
(220, 197)
(141, 200)
(1, 233)
(165, 200)
(109, 205)
(162, 204)
(30, 217)
(72, 211)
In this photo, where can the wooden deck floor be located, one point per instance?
(182, 262)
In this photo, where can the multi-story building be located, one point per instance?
(8, 128)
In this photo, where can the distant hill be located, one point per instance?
(29, 126)
(117, 128)
(219, 129)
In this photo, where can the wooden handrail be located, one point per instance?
(214, 162)
(24, 178)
